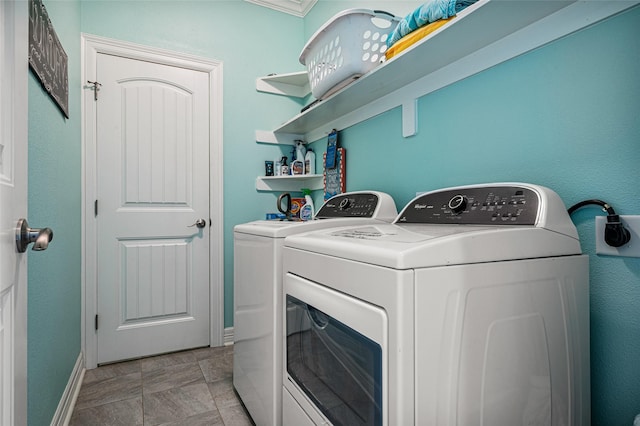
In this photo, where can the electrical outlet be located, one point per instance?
(631, 249)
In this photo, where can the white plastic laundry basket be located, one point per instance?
(350, 44)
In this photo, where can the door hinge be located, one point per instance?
(96, 322)
(95, 208)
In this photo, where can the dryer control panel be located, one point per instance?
(483, 205)
(354, 204)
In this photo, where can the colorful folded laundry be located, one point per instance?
(429, 12)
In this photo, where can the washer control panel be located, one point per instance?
(361, 204)
(490, 205)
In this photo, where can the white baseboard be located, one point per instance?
(63, 413)
(228, 336)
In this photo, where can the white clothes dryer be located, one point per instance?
(472, 308)
(257, 353)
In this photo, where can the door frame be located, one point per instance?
(91, 47)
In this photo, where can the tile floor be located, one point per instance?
(187, 388)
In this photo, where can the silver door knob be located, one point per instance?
(200, 223)
(41, 237)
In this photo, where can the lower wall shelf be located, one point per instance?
(289, 183)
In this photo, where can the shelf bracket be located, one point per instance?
(409, 118)
(292, 84)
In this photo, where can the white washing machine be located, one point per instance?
(472, 308)
(257, 354)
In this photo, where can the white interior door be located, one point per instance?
(13, 206)
(152, 187)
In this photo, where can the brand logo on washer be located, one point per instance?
(420, 206)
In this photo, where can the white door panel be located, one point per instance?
(13, 206)
(152, 186)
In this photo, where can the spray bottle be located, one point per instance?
(297, 165)
(300, 150)
(307, 212)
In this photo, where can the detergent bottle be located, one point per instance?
(307, 212)
(300, 150)
(310, 162)
(297, 165)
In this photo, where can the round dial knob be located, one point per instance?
(458, 203)
(344, 204)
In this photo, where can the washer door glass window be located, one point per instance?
(339, 369)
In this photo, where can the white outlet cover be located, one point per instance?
(631, 249)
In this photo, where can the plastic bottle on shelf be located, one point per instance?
(307, 212)
(310, 162)
(284, 167)
(277, 166)
(300, 150)
(297, 165)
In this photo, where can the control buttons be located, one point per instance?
(474, 206)
(349, 206)
(458, 203)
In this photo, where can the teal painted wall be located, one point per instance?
(54, 201)
(564, 116)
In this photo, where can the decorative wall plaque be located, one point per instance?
(335, 180)
(47, 58)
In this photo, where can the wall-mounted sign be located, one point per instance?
(47, 58)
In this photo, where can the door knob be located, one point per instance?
(41, 237)
(200, 223)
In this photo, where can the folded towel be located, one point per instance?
(430, 11)
(414, 37)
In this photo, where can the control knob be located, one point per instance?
(458, 203)
(344, 204)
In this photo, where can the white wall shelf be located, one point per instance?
(481, 36)
(294, 84)
(289, 183)
(265, 136)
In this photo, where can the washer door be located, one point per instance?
(336, 353)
